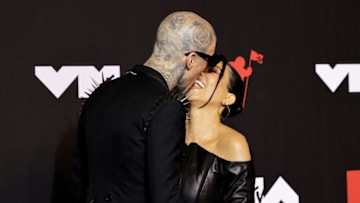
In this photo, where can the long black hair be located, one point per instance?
(236, 87)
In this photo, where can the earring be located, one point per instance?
(227, 114)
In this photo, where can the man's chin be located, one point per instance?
(181, 85)
(184, 85)
(185, 90)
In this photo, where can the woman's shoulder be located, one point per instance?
(233, 146)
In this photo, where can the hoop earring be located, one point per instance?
(227, 114)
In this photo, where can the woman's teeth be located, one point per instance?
(198, 82)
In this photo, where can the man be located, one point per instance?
(121, 154)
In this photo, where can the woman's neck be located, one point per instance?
(202, 126)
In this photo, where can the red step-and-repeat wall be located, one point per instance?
(302, 115)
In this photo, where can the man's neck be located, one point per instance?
(170, 78)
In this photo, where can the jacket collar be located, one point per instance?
(149, 72)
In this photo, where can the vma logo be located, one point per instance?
(88, 78)
(280, 192)
(333, 77)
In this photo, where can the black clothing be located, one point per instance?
(207, 178)
(115, 160)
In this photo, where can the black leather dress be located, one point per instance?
(207, 178)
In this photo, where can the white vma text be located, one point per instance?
(57, 82)
(333, 77)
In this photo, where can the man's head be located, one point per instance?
(183, 41)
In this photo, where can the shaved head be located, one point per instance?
(180, 33)
(185, 31)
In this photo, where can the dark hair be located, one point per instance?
(224, 60)
(236, 87)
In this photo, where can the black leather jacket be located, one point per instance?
(207, 178)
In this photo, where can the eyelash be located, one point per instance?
(214, 70)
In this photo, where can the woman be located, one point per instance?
(218, 166)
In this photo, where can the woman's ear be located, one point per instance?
(230, 99)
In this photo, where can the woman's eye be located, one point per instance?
(216, 70)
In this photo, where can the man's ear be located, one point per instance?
(190, 60)
(229, 99)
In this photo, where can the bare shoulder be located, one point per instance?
(234, 146)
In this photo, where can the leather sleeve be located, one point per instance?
(78, 184)
(241, 183)
(165, 144)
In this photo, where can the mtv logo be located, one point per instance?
(280, 192)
